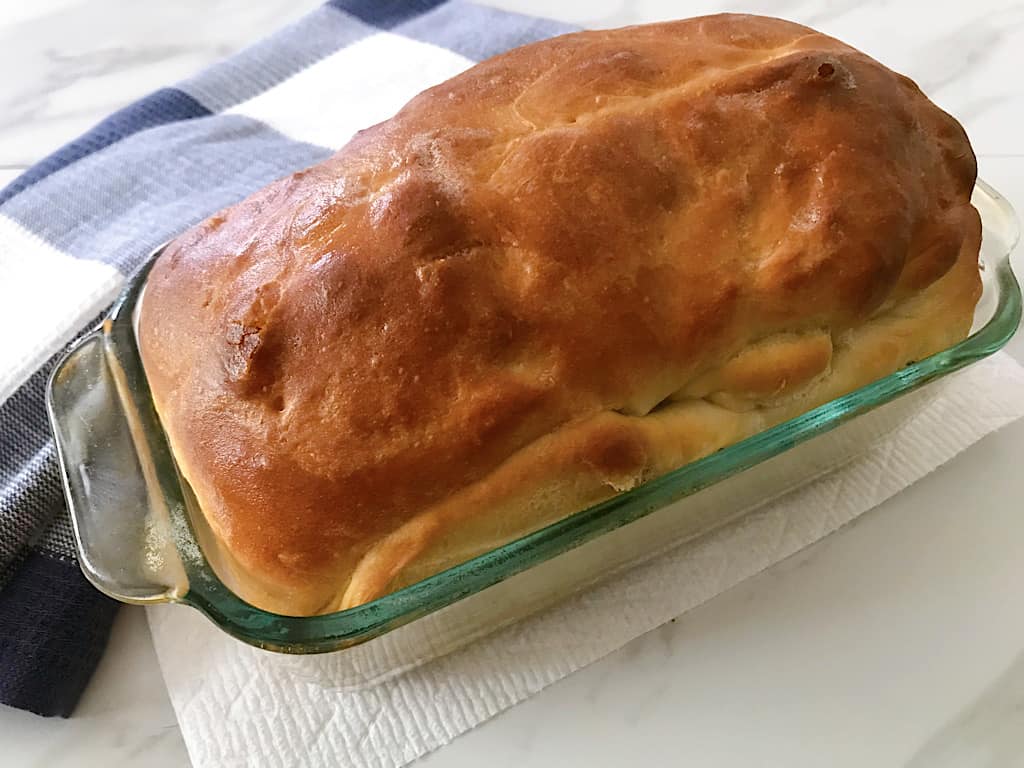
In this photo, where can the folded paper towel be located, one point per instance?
(241, 706)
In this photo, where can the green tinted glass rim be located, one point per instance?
(327, 632)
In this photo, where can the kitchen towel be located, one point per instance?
(76, 224)
(239, 706)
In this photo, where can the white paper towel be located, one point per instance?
(241, 706)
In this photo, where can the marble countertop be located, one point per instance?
(897, 641)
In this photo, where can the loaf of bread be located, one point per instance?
(572, 268)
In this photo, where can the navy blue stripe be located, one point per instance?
(168, 105)
(385, 14)
(54, 630)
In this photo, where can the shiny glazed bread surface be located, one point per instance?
(572, 268)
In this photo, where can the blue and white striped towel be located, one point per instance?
(75, 225)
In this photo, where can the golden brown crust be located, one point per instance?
(456, 328)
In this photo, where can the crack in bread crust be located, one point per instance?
(715, 215)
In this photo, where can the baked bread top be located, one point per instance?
(574, 266)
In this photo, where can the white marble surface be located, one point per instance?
(897, 641)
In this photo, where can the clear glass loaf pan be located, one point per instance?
(141, 540)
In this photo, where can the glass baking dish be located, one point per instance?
(141, 540)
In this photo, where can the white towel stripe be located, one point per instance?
(325, 105)
(37, 323)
